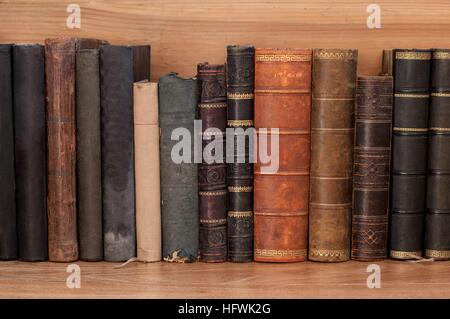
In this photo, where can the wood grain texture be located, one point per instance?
(251, 280)
(183, 33)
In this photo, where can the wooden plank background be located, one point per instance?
(183, 33)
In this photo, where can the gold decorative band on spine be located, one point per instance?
(212, 193)
(240, 96)
(344, 253)
(440, 94)
(212, 105)
(438, 254)
(410, 129)
(413, 55)
(441, 55)
(280, 252)
(240, 189)
(412, 95)
(335, 55)
(440, 129)
(240, 214)
(397, 254)
(287, 91)
(282, 58)
(240, 123)
(213, 221)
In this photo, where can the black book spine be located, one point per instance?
(116, 91)
(30, 151)
(141, 62)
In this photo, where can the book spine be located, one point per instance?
(89, 191)
(240, 87)
(409, 152)
(212, 173)
(30, 151)
(146, 154)
(332, 134)
(373, 122)
(116, 92)
(61, 140)
(386, 63)
(437, 222)
(141, 62)
(8, 230)
(179, 182)
(281, 185)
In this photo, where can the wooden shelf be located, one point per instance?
(227, 280)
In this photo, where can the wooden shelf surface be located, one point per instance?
(227, 280)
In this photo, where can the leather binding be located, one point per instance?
(283, 101)
(89, 191)
(240, 86)
(212, 177)
(409, 152)
(141, 62)
(8, 230)
(146, 150)
(371, 173)
(437, 222)
(179, 181)
(332, 134)
(386, 63)
(119, 219)
(30, 151)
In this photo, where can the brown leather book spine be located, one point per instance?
(373, 121)
(332, 133)
(386, 63)
(283, 103)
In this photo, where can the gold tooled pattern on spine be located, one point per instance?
(438, 254)
(212, 105)
(334, 55)
(240, 96)
(240, 189)
(413, 96)
(240, 123)
(282, 58)
(413, 55)
(280, 252)
(441, 55)
(240, 214)
(212, 193)
(345, 253)
(405, 254)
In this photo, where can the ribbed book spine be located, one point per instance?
(409, 152)
(30, 151)
(332, 134)
(179, 182)
(240, 86)
(437, 226)
(371, 167)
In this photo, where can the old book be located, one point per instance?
(332, 133)
(281, 185)
(371, 173)
(146, 161)
(30, 151)
(386, 63)
(437, 226)
(8, 230)
(212, 172)
(179, 182)
(118, 192)
(409, 152)
(141, 62)
(240, 86)
(89, 187)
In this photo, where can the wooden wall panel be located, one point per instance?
(183, 33)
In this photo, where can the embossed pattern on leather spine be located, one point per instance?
(332, 134)
(437, 222)
(409, 152)
(89, 191)
(141, 62)
(283, 102)
(179, 182)
(212, 173)
(30, 151)
(371, 173)
(240, 86)
(116, 92)
(8, 230)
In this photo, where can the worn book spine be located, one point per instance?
(116, 92)
(240, 87)
(30, 151)
(89, 191)
(8, 230)
(212, 172)
(373, 120)
(146, 154)
(332, 134)
(386, 63)
(179, 182)
(409, 152)
(437, 225)
(282, 115)
(141, 62)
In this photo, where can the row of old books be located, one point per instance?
(113, 167)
